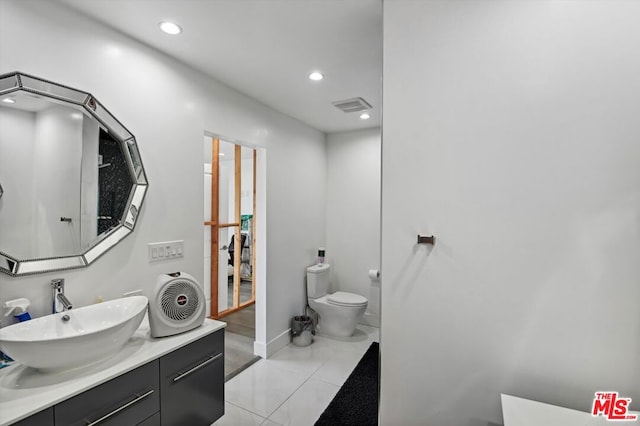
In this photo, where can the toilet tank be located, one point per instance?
(318, 280)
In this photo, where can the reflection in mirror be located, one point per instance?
(114, 183)
(72, 175)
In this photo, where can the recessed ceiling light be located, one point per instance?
(221, 154)
(170, 28)
(8, 101)
(364, 116)
(316, 76)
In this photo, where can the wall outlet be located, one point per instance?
(166, 250)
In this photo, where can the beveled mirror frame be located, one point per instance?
(18, 81)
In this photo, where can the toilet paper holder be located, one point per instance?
(426, 240)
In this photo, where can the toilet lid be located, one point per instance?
(342, 298)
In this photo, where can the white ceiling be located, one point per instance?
(266, 49)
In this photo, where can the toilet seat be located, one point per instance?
(342, 298)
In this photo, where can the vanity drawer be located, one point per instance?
(151, 421)
(43, 418)
(126, 400)
(192, 382)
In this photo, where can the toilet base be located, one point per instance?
(336, 321)
(338, 330)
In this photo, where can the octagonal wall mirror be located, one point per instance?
(71, 174)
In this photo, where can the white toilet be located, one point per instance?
(338, 312)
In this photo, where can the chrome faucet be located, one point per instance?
(60, 301)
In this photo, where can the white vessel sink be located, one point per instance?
(76, 337)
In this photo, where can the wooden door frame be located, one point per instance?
(215, 230)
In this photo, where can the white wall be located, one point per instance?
(353, 214)
(168, 107)
(207, 229)
(223, 237)
(246, 192)
(510, 133)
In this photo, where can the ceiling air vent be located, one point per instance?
(352, 105)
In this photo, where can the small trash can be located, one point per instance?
(302, 329)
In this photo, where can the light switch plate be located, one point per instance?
(166, 250)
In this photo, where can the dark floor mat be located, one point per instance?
(356, 403)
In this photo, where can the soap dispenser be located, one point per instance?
(18, 307)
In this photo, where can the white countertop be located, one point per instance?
(525, 412)
(25, 391)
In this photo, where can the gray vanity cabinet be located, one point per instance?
(151, 421)
(43, 418)
(192, 383)
(126, 400)
(182, 388)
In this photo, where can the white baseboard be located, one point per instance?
(370, 319)
(274, 345)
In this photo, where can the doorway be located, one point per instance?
(232, 226)
(230, 241)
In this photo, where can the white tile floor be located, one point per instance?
(295, 385)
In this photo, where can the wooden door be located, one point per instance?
(233, 183)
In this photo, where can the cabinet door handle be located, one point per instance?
(197, 367)
(123, 407)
